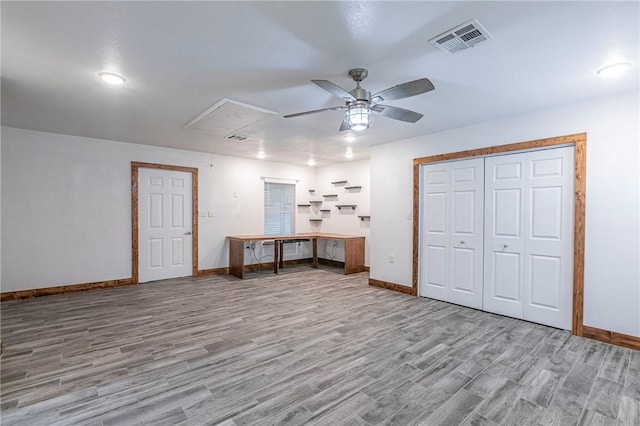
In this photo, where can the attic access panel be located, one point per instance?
(226, 118)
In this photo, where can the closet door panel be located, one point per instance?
(529, 236)
(504, 242)
(466, 241)
(434, 275)
(548, 283)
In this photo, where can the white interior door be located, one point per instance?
(434, 273)
(529, 236)
(466, 236)
(548, 249)
(452, 232)
(504, 242)
(164, 224)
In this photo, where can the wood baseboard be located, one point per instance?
(72, 288)
(214, 271)
(620, 339)
(391, 286)
(48, 291)
(366, 269)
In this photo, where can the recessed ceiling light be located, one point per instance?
(349, 138)
(614, 69)
(111, 78)
(261, 155)
(349, 154)
(311, 162)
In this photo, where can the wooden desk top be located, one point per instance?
(293, 237)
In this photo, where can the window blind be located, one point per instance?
(279, 201)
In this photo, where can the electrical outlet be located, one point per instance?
(392, 258)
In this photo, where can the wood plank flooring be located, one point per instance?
(303, 347)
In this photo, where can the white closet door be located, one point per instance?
(504, 242)
(548, 255)
(434, 276)
(528, 236)
(466, 236)
(452, 228)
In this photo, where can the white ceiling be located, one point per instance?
(180, 58)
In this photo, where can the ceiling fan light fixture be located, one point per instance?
(358, 117)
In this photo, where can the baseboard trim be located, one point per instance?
(615, 338)
(366, 269)
(213, 271)
(49, 291)
(391, 286)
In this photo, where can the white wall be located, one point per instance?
(66, 204)
(343, 221)
(612, 240)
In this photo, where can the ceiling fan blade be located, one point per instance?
(298, 114)
(344, 126)
(397, 113)
(404, 90)
(334, 89)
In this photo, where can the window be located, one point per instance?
(279, 199)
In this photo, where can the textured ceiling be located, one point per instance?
(180, 58)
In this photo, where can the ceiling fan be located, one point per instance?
(361, 104)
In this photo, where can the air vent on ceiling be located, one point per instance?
(461, 37)
(226, 117)
(236, 137)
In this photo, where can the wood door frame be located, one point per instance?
(134, 213)
(579, 141)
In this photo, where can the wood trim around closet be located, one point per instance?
(579, 141)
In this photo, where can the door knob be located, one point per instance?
(187, 233)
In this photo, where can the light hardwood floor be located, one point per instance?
(304, 347)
